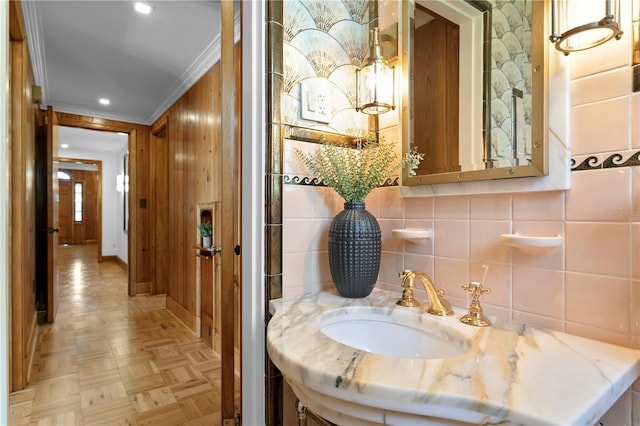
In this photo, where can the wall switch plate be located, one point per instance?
(315, 105)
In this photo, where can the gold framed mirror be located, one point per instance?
(491, 121)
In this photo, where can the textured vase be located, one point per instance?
(354, 251)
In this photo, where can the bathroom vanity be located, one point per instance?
(507, 373)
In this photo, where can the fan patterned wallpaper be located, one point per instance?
(510, 67)
(325, 41)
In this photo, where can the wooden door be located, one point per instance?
(52, 213)
(229, 213)
(436, 130)
(65, 210)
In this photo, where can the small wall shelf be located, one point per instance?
(531, 244)
(416, 235)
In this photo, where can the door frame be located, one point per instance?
(253, 106)
(98, 195)
(135, 132)
(4, 220)
(52, 200)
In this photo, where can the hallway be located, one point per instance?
(114, 359)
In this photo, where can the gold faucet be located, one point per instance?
(437, 304)
(475, 316)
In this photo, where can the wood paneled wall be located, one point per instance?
(22, 203)
(192, 166)
(191, 131)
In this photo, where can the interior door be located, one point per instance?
(64, 212)
(53, 200)
(229, 212)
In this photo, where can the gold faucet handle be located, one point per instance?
(408, 284)
(475, 316)
(476, 289)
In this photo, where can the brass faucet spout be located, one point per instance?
(437, 304)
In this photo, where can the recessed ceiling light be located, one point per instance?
(64, 145)
(143, 8)
(104, 101)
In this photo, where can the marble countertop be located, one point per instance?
(511, 371)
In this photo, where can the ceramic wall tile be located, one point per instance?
(598, 248)
(451, 238)
(391, 203)
(485, 243)
(596, 333)
(606, 85)
(320, 234)
(538, 291)
(419, 262)
(635, 120)
(389, 242)
(322, 272)
(635, 307)
(539, 206)
(372, 203)
(635, 194)
(493, 206)
(612, 55)
(297, 201)
(451, 274)
(297, 236)
(600, 126)
(419, 208)
(451, 207)
(592, 199)
(635, 250)
(391, 264)
(538, 320)
(598, 301)
(498, 279)
(294, 271)
(326, 204)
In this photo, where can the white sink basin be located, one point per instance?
(376, 333)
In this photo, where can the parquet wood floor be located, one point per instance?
(111, 359)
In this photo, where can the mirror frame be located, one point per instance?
(539, 111)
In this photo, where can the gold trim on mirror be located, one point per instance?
(539, 110)
(312, 135)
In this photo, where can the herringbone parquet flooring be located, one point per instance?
(113, 359)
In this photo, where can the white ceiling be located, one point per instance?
(85, 50)
(89, 141)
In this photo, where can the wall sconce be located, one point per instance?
(569, 38)
(375, 81)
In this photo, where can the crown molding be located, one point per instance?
(35, 43)
(73, 109)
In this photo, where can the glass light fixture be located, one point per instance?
(565, 13)
(375, 81)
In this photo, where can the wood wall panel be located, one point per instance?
(22, 136)
(192, 164)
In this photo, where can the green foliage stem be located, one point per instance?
(354, 173)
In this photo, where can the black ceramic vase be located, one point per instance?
(354, 251)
